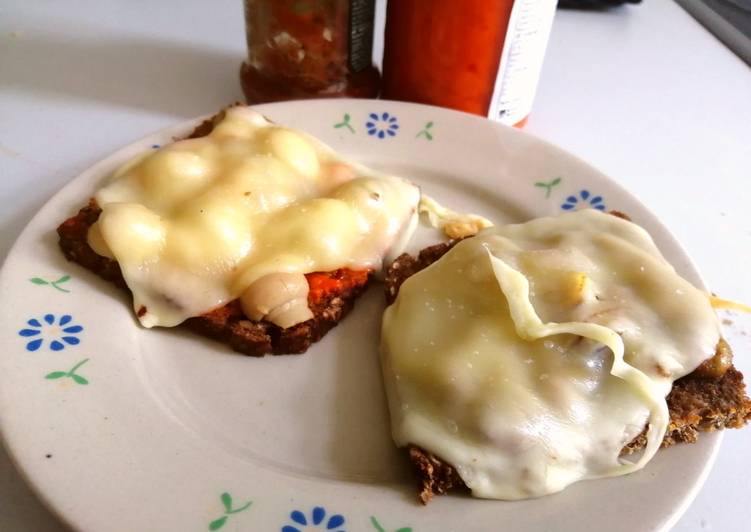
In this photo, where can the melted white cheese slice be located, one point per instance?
(196, 222)
(530, 355)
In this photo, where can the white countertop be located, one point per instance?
(644, 93)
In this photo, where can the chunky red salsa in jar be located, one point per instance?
(309, 49)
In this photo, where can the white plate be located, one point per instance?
(164, 430)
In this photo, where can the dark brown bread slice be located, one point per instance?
(712, 397)
(228, 324)
(331, 297)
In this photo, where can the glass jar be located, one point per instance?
(309, 49)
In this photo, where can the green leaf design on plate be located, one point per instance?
(241, 508)
(79, 379)
(54, 284)
(548, 186)
(346, 123)
(426, 131)
(71, 373)
(227, 501)
(376, 524)
(216, 524)
(405, 529)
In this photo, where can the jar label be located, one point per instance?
(361, 15)
(521, 60)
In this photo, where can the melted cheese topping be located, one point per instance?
(452, 223)
(197, 222)
(530, 355)
(725, 304)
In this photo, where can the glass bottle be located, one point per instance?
(478, 56)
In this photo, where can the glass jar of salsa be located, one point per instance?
(309, 49)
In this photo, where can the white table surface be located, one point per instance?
(644, 93)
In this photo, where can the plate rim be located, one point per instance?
(55, 506)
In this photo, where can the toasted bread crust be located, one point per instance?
(228, 324)
(703, 401)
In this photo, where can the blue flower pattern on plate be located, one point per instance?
(59, 334)
(382, 125)
(584, 200)
(316, 521)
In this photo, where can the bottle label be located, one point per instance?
(521, 60)
(361, 15)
